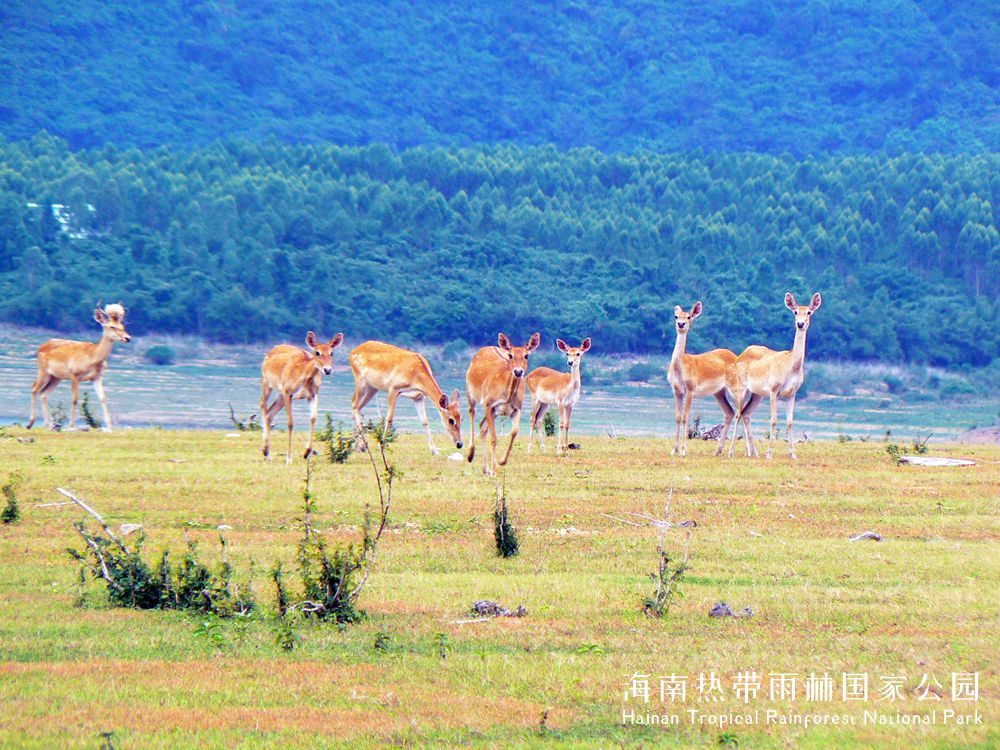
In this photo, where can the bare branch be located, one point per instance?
(95, 514)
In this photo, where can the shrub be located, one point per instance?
(339, 443)
(88, 415)
(160, 355)
(550, 423)
(12, 511)
(506, 538)
(643, 372)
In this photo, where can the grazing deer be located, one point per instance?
(696, 375)
(76, 361)
(562, 389)
(294, 374)
(400, 372)
(495, 379)
(776, 375)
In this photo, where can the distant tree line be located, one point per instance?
(244, 242)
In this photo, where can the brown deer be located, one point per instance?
(751, 353)
(294, 374)
(695, 376)
(776, 375)
(400, 372)
(549, 387)
(495, 379)
(78, 361)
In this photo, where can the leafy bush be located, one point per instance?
(644, 372)
(339, 443)
(550, 423)
(160, 355)
(12, 511)
(503, 531)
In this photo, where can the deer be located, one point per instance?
(549, 387)
(696, 376)
(78, 361)
(294, 374)
(776, 375)
(378, 366)
(495, 379)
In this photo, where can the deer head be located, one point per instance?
(683, 319)
(573, 353)
(451, 417)
(517, 356)
(323, 353)
(803, 314)
(112, 320)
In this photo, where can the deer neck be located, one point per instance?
(799, 349)
(574, 375)
(677, 358)
(102, 349)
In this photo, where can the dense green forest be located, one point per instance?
(802, 76)
(245, 242)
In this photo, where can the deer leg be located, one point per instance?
(44, 395)
(391, 411)
(727, 413)
(774, 423)
(363, 393)
(739, 397)
(472, 430)
(288, 408)
(36, 389)
(538, 411)
(99, 387)
(569, 415)
(515, 423)
(791, 438)
(421, 407)
(531, 422)
(75, 385)
(678, 417)
(490, 455)
(313, 412)
(265, 413)
(688, 398)
(748, 411)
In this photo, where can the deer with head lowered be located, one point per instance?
(294, 374)
(694, 376)
(78, 361)
(496, 379)
(776, 375)
(400, 372)
(562, 389)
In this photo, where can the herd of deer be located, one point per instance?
(496, 380)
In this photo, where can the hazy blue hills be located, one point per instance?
(775, 76)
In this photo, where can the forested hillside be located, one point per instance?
(802, 76)
(251, 242)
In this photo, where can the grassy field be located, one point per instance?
(771, 535)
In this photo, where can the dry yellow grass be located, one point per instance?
(924, 600)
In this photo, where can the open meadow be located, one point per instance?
(771, 535)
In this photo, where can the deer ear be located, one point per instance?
(816, 302)
(790, 301)
(99, 315)
(561, 345)
(454, 396)
(503, 341)
(336, 341)
(585, 346)
(311, 339)
(534, 341)
(443, 401)
(678, 310)
(696, 310)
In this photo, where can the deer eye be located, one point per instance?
(451, 421)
